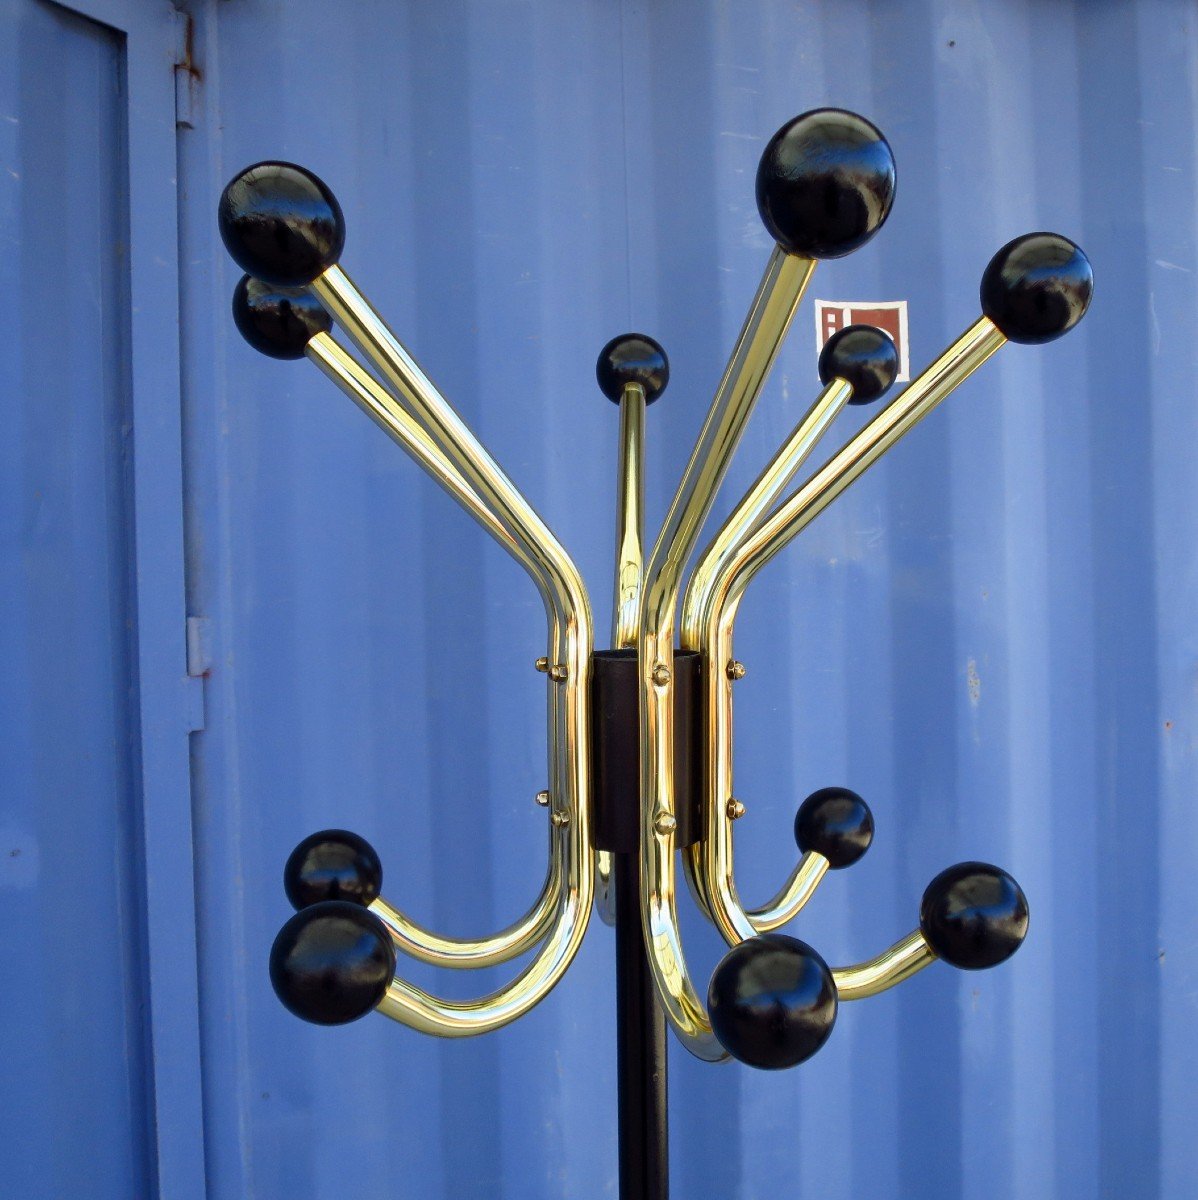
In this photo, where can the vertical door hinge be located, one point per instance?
(199, 663)
(187, 74)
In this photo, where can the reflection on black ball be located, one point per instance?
(973, 915)
(281, 224)
(1037, 287)
(825, 183)
(332, 962)
(333, 864)
(864, 357)
(836, 823)
(632, 358)
(772, 1001)
(275, 320)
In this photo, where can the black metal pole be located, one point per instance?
(640, 1049)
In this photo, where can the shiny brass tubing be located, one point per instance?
(770, 535)
(757, 501)
(892, 966)
(629, 575)
(423, 944)
(570, 649)
(373, 399)
(773, 308)
(807, 875)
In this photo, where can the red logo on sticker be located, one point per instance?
(888, 315)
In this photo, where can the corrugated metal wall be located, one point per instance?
(990, 637)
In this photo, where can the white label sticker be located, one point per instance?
(888, 315)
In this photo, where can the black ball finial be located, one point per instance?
(332, 962)
(281, 224)
(632, 358)
(973, 915)
(1037, 288)
(333, 864)
(772, 1001)
(275, 320)
(864, 357)
(836, 823)
(825, 183)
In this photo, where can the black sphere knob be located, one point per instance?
(1037, 287)
(973, 915)
(275, 320)
(632, 358)
(864, 357)
(772, 1001)
(281, 224)
(333, 864)
(825, 183)
(331, 963)
(836, 823)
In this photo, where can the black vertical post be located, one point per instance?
(640, 1022)
(640, 1049)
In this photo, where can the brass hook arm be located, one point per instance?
(778, 295)
(770, 535)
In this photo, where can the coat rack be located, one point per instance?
(639, 736)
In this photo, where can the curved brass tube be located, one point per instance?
(773, 308)
(570, 650)
(891, 967)
(763, 542)
(629, 576)
(382, 408)
(717, 681)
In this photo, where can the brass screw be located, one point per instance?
(736, 669)
(542, 664)
(661, 674)
(543, 799)
(559, 673)
(559, 818)
(665, 822)
(735, 810)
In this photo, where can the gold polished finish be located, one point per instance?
(570, 644)
(794, 894)
(736, 810)
(770, 316)
(630, 519)
(543, 799)
(891, 967)
(629, 574)
(370, 396)
(542, 665)
(661, 675)
(735, 670)
(559, 818)
(766, 538)
(559, 673)
(757, 501)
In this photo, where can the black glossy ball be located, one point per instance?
(825, 183)
(1037, 287)
(275, 320)
(333, 864)
(864, 357)
(772, 1001)
(332, 962)
(632, 358)
(973, 915)
(281, 224)
(836, 823)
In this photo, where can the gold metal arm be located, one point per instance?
(373, 399)
(807, 875)
(766, 539)
(892, 966)
(777, 298)
(757, 501)
(570, 649)
(629, 575)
